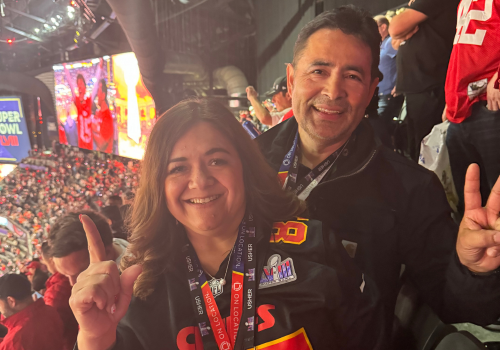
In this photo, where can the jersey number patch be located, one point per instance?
(292, 232)
(466, 15)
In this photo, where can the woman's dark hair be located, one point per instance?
(155, 238)
(350, 20)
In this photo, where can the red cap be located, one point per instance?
(33, 265)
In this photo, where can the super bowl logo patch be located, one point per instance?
(277, 272)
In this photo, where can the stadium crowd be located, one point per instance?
(57, 196)
(48, 185)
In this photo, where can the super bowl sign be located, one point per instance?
(14, 137)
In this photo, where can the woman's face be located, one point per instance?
(204, 186)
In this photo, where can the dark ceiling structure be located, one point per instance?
(35, 34)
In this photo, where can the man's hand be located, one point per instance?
(493, 95)
(443, 117)
(393, 92)
(478, 243)
(251, 93)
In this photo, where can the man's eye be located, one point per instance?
(317, 71)
(355, 77)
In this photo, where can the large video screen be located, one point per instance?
(135, 108)
(14, 137)
(102, 105)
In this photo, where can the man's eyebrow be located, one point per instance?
(321, 63)
(215, 150)
(355, 68)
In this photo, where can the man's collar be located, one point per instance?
(277, 141)
(23, 315)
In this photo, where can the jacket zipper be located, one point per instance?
(351, 174)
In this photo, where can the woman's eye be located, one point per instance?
(218, 161)
(177, 169)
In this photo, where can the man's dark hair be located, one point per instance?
(382, 20)
(39, 279)
(68, 236)
(15, 286)
(80, 77)
(46, 253)
(351, 20)
(115, 200)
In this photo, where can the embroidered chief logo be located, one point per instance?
(277, 272)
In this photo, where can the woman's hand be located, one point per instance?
(101, 297)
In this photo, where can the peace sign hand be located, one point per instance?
(100, 297)
(478, 243)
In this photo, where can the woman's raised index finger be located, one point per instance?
(97, 251)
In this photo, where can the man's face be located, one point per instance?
(5, 309)
(382, 29)
(82, 89)
(331, 86)
(73, 264)
(281, 101)
(100, 94)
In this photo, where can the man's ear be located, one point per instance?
(290, 78)
(373, 86)
(11, 301)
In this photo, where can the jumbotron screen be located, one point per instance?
(103, 105)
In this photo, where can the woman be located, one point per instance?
(204, 250)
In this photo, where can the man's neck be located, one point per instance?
(313, 152)
(385, 36)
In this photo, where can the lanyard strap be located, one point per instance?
(210, 322)
(289, 170)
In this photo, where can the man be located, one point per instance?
(57, 294)
(389, 104)
(115, 200)
(472, 99)
(281, 99)
(83, 105)
(69, 248)
(31, 324)
(103, 125)
(425, 33)
(71, 130)
(387, 210)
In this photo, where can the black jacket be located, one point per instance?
(324, 304)
(394, 212)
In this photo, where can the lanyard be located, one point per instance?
(289, 169)
(214, 333)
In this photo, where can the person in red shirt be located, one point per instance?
(31, 324)
(83, 105)
(57, 294)
(103, 127)
(472, 97)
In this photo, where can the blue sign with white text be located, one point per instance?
(14, 137)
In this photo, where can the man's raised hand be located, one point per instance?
(478, 243)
